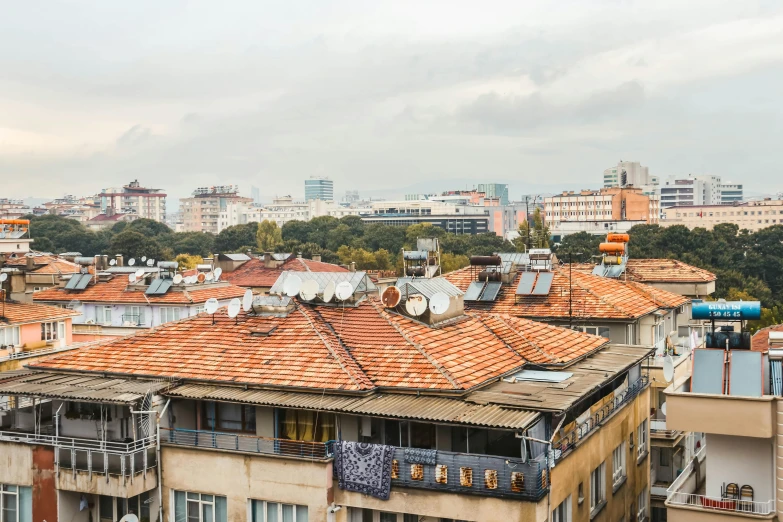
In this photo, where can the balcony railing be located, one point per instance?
(722, 504)
(76, 443)
(26, 354)
(136, 319)
(658, 429)
(246, 443)
(106, 462)
(465, 473)
(563, 445)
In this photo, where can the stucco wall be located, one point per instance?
(741, 460)
(16, 464)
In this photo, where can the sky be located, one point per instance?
(385, 97)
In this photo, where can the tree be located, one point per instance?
(319, 229)
(235, 238)
(296, 231)
(535, 235)
(338, 236)
(269, 236)
(582, 242)
(413, 232)
(194, 243)
(450, 262)
(378, 235)
(187, 262)
(147, 227)
(354, 223)
(135, 245)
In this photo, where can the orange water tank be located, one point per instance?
(14, 221)
(614, 237)
(612, 248)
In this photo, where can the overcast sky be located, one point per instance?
(385, 95)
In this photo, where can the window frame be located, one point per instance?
(252, 502)
(102, 312)
(244, 421)
(49, 331)
(619, 468)
(5, 491)
(563, 511)
(641, 440)
(641, 505)
(598, 488)
(169, 314)
(15, 334)
(201, 502)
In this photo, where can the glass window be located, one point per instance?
(48, 331)
(134, 315)
(562, 513)
(9, 336)
(229, 416)
(598, 487)
(642, 503)
(169, 313)
(103, 314)
(16, 503)
(641, 436)
(618, 464)
(305, 425)
(198, 507)
(263, 511)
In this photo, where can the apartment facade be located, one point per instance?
(31, 329)
(750, 215)
(143, 202)
(201, 213)
(678, 191)
(15, 236)
(479, 439)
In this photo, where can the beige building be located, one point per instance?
(133, 199)
(201, 213)
(751, 215)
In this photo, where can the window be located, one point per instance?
(200, 309)
(61, 330)
(581, 493)
(263, 511)
(49, 331)
(598, 488)
(16, 503)
(198, 507)
(306, 425)
(103, 314)
(133, 315)
(630, 338)
(168, 313)
(9, 336)
(562, 513)
(601, 331)
(38, 288)
(230, 417)
(641, 514)
(641, 437)
(618, 464)
(111, 508)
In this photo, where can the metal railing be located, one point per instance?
(26, 354)
(246, 443)
(106, 462)
(76, 443)
(465, 473)
(561, 446)
(133, 318)
(658, 428)
(722, 504)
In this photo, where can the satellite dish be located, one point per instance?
(201, 277)
(209, 276)
(291, 285)
(247, 301)
(177, 279)
(233, 308)
(522, 447)
(668, 368)
(328, 294)
(3, 277)
(130, 517)
(112, 262)
(131, 262)
(416, 304)
(211, 305)
(143, 258)
(663, 408)
(132, 278)
(218, 272)
(150, 262)
(139, 273)
(439, 303)
(343, 291)
(308, 290)
(391, 297)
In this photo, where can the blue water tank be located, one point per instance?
(729, 310)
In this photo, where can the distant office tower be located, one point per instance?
(631, 173)
(688, 190)
(319, 188)
(495, 190)
(255, 193)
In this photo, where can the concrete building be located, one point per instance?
(201, 213)
(80, 209)
(692, 190)
(33, 272)
(28, 330)
(15, 236)
(282, 210)
(731, 193)
(750, 215)
(599, 211)
(451, 217)
(497, 191)
(260, 422)
(632, 173)
(148, 203)
(319, 188)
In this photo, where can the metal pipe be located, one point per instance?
(160, 462)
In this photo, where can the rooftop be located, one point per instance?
(21, 313)
(254, 273)
(760, 340)
(658, 271)
(45, 264)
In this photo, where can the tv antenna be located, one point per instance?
(291, 285)
(247, 301)
(112, 262)
(217, 273)
(668, 368)
(233, 309)
(131, 262)
(201, 277)
(177, 279)
(150, 262)
(132, 278)
(211, 307)
(143, 259)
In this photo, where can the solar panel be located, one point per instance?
(153, 288)
(164, 286)
(83, 282)
(745, 373)
(525, 285)
(544, 283)
(474, 291)
(491, 291)
(73, 281)
(707, 371)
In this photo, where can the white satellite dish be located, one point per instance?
(211, 305)
(130, 517)
(343, 290)
(209, 276)
(139, 273)
(416, 304)
(218, 272)
(132, 278)
(233, 307)
(439, 303)
(522, 448)
(143, 258)
(247, 301)
(663, 408)
(291, 285)
(668, 368)
(3, 277)
(131, 262)
(308, 290)
(150, 262)
(328, 294)
(177, 279)
(113, 262)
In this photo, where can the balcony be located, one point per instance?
(246, 443)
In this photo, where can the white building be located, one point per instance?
(132, 198)
(282, 210)
(635, 175)
(678, 191)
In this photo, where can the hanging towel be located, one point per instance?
(421, 456)
(364, 468)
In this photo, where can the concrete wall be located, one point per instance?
(596, 448)
(746, 416)
(241, 477)
(742, 460)
(113, 485)
(16, 464)
(44, 493)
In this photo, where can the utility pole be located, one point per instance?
(570, 286)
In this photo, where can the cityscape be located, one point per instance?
(385, 262)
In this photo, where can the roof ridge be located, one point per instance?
(480, 318)
(526, 339)
(301, 262)
(452, 380)
(362, 381)
(594, 294)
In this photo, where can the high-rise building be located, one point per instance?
(680, 191)
(495, 190)
(630, 173)
(201, 213)
(255, 193)
(731, 193)
(149, 203)
(319, 188)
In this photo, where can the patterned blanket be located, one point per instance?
(421, 456)
(364, 468)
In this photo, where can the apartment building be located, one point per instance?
(479, 417)
(143, 202)
(614, 209)
(679, 191)
(80, 209)
(750, 215)
(15, 236)
(451, 217)
(33, 272)
(282, 210)
(201, 213)
(260, 273)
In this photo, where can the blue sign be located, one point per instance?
(731, 310)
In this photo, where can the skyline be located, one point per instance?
(372, 96)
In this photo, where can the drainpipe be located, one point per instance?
(158, 416)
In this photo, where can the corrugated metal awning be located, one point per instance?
(435, 409)
(74, 387)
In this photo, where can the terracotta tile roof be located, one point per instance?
(590, 297)
(116, 291)
(253, 273)
(19, 313)
(321, 347)
(760, 339)
(46, 264)
(659, 271)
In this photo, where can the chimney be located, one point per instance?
(118, 259)
(353, 266)
(317, 258)
(299, 255)
(104, 262)
(268, 261)
(97, 263)
(30, 262)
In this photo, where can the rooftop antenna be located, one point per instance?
(233, 309)
(201, 277)
(211, 307)
(416, 304)
(668, 368)
(3, 278)
(139, 273)
(343, 291)
(132, 278)
(308, 290)
(391, 297)
(439, 303)
(247, 301)
(209, 276)
(328, 294)
(143, 258)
